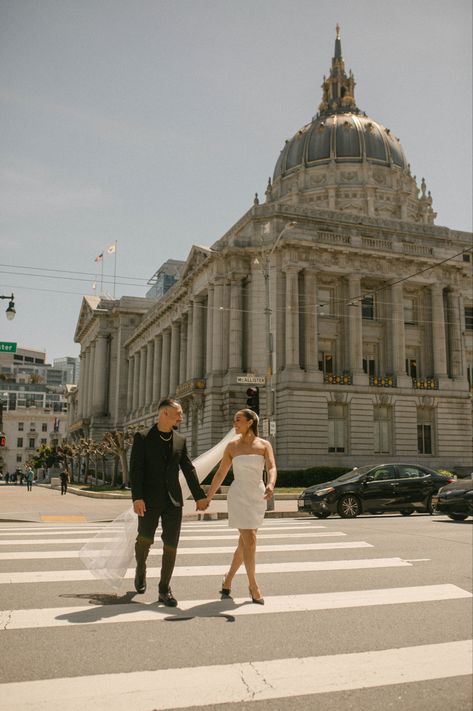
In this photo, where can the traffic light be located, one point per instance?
(252, 400)
(3, 440)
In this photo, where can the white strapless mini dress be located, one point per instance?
(246, 505)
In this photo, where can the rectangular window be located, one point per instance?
(337, 428)
(44, 427)
(44, 441)
(325, 302)
(409, 310)
(19, 442)
(18, 458)
(382, 429)
(32, 426)
(32, 443)
(21, 426)
(411, 367)
(424, 439)
(367, 307)
(369, 365)
(326, 363)
(469, 318)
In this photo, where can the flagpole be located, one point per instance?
(101, 278)
(115, 270)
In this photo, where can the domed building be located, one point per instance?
(346, 161)
(337, 298)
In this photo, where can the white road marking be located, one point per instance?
(75, 530)
(17, 555)
(56, 576)
(145, 612)
(242, 682)
(227, 537)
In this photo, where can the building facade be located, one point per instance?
(33, 405)
(337, 296)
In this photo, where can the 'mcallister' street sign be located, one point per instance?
(6, 347)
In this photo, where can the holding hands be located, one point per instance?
(202, 504)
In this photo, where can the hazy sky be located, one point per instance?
(153, 123)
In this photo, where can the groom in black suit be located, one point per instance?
(156, 458)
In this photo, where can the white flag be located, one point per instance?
(112, 249)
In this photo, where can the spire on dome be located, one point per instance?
(338, 88)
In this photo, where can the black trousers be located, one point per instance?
(64, 487)
(171, 519)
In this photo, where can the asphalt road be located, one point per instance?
(372, 613)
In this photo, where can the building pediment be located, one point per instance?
(87, 309)
(197, 256)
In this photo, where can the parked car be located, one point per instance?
(374, 489)
(455, 500)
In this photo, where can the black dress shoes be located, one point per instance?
(140, 582)
(167, 599)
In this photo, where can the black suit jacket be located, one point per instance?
(151, 482)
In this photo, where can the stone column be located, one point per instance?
(355, 330)
(236, 326)
(158, 351)
(165, 362)
(209, 366)
(100, 375)
(311, 325)
(136, 380)
(149, 373)
(454, 334)
(174, 358)
(142, 385)
(90, 376)
(197, 338)
(82, 380)
(129, 392)
(190, 328)
(292, 317)
(439, 344)
(217, 328)
(398, 339)
(183, 351)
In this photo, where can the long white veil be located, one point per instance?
(109, 554)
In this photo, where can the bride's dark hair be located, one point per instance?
(253, 417)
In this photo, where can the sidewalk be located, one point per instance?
(44, 504)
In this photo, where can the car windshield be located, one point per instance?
(354, 474)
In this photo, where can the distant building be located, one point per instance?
(337, 295)
(33, 406)
(70, 367)
(164, 278)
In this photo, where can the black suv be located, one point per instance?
(374, 489)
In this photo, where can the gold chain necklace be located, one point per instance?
(164, 438)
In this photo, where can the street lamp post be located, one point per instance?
(10, 311)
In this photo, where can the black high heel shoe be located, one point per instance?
(257, 601)
(225, 593)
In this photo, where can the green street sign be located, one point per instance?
(6, 347)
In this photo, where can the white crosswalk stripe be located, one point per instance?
(26, 549)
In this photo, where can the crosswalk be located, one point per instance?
(51, 602)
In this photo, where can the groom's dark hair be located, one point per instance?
(168, 402)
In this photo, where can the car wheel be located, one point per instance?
(349, 506)
(429, 506)
(406, 512)
(457, 517)
(320, 514)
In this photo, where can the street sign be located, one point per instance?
(7, 347)
(272, 428)
(251, 379)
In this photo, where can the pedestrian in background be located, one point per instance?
(29, 479)
(64, 480)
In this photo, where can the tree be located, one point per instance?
(118, 444)
(46, 457)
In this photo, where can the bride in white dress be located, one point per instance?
(248, 454)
